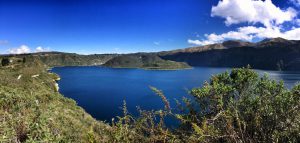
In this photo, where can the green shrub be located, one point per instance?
(239, 106)
(31, 110)
(5, 62)
(243, 107)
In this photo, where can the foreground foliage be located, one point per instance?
(32, 111)
(243, 107)
(239, 106)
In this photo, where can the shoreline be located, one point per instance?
(154, 69)
(158, 69)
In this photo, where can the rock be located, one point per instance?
(56, 87)
(19, 77)
(34, 76)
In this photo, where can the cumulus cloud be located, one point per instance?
(252, 12)
(243, 33)
(198, 42)
(41, 49)
(248, 33)
(20, 50)
(297, 22)
(26, 49)
(296, 2)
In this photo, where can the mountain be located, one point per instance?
(269, 54)
(225, 45)
(194, 49)
(236, 43)
(145, 61)
(275, 42)
(65, 59)
(52, 59)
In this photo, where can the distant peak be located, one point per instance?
(232, 41)
(269, 42)
(235, 43)
(278, 39)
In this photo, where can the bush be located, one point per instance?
(239, 106)
(5, 62)
(31, 111)
(243, 107)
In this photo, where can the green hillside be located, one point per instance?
(62, 59)
(52, 59)
(239, 106)
(269, 54)
(235, 107)
(145, 61)
(32, 110)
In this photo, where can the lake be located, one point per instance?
(101, 91)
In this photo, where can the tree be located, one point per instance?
(5, 62)
(243, 107)
(24, 60)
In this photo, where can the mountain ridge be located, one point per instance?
(268, 54)
(272, 54)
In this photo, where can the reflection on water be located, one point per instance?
(290, 78)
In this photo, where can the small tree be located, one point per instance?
(5, 62)
(24, 60)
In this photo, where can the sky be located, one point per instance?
(126, 26)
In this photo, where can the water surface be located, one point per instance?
(101, 91)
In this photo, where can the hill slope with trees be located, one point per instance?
(232, 107)
(269, 54)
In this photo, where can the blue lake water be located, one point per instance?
(101, 91)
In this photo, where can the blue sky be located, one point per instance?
(124, 26)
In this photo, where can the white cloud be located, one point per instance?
(198, 42)
(243, 33)
(252, 11)
(20, 50)
(293, 34)
(117, 50)
(248, 33)
(25, 49)
(297, 22)
(296, 2)
(3, 42)
(41, 49)
(156, 43)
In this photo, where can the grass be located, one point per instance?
(235, 107)
(31, 109)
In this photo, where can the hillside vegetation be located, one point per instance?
(145, 61)
(32, 110)
(269, 54)
(232, 107)
(61, 59)
(52, 59)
